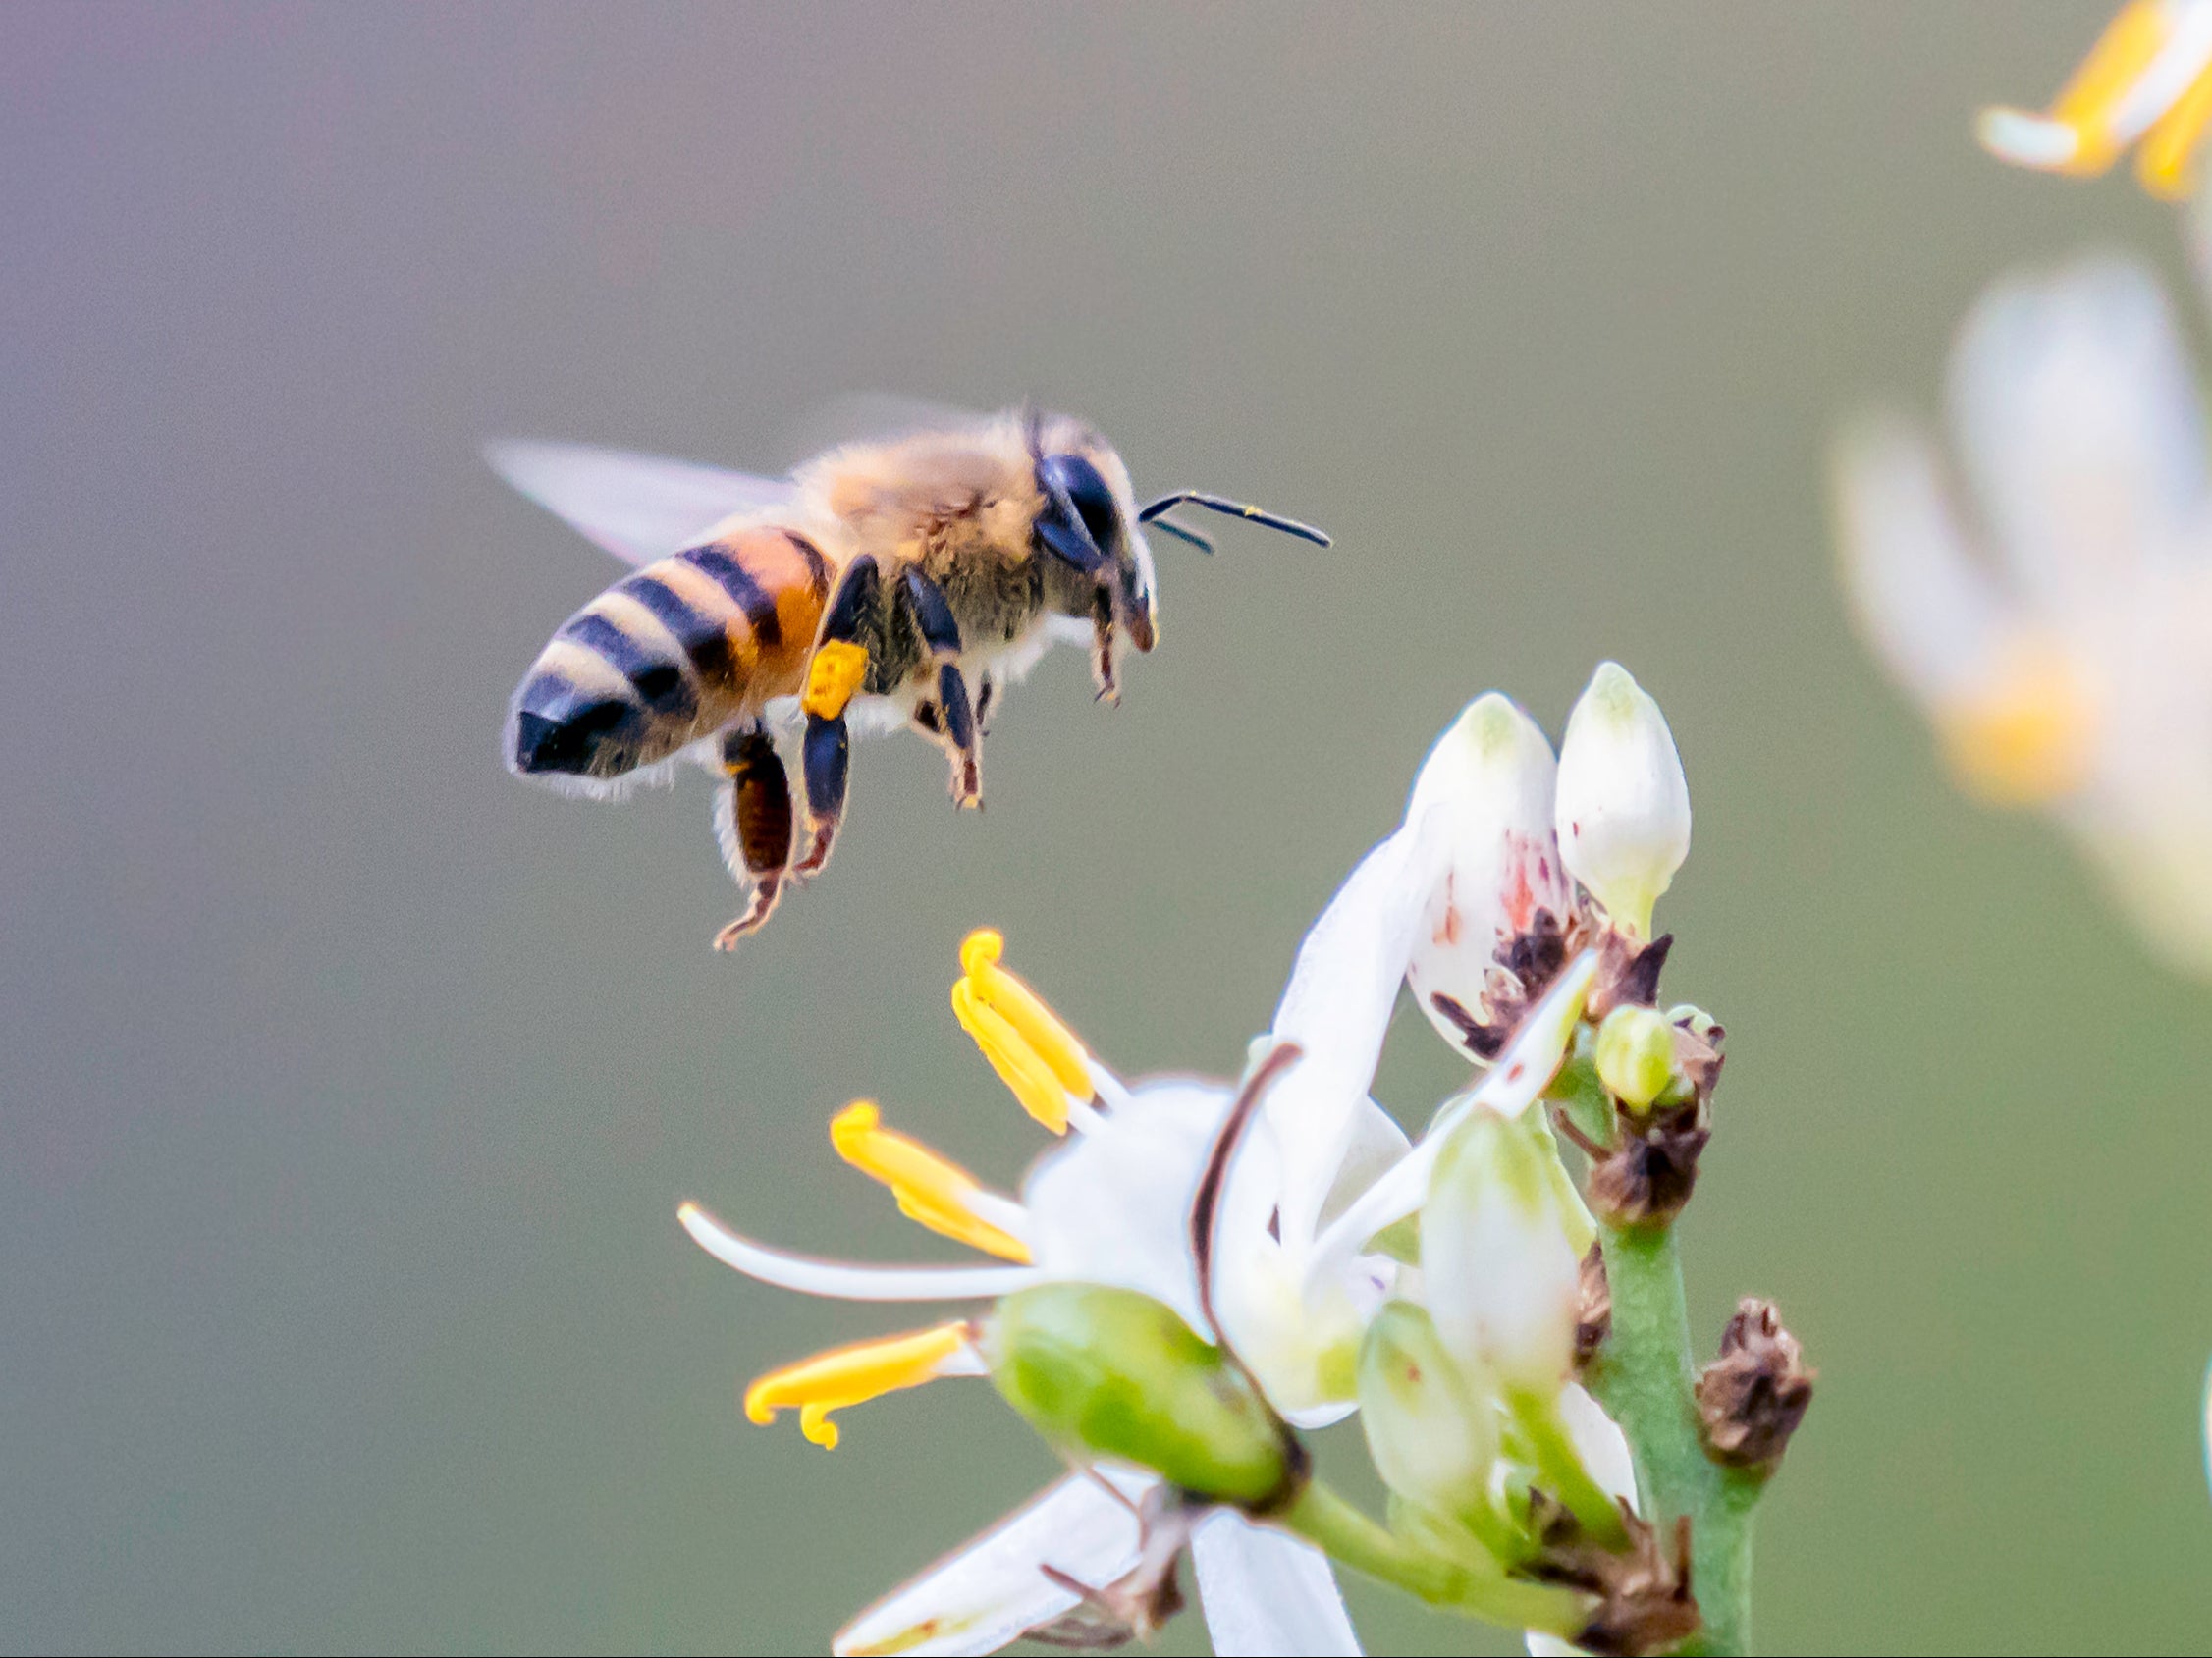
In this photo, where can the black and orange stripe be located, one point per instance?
(671, 654)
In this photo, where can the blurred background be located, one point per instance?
(350, 1086)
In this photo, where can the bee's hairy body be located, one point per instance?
(915, 578)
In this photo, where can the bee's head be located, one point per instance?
(1086, 526)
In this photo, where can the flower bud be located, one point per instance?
(1502, 1273)
(1636, 1056)
(1433, 1437)
(1108, 1372)
(1623, 805)
(1486, 794)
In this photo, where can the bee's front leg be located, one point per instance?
(955, 716)
(753, 821)
(835, 674)
(1102, 648)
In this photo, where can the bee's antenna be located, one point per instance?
(1203, 543)
(1151, 512)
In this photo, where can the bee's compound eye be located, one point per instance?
(1083, 485)
(555, 732)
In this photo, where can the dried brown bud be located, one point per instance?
(1644, 1599)
(1593, 1313)
(1647, 1178)
(1135, 1605)
(1756, 1393)
(1628, 973)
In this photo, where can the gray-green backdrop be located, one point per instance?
(348, 1087)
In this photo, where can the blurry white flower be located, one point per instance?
(2147, 80)
(2055, 629)
(1623, 808)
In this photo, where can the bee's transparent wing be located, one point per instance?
(638, 506)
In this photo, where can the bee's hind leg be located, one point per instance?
(952, 716)
(835, 674)
(754, 823)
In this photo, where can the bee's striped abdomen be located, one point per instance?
(672, 654)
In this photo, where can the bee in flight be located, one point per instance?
(904, 581)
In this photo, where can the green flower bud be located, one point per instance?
(1433, 1437)
(1109, 1372)
(1636, 1056)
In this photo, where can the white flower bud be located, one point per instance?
(1501, 1273)
(1623, 805)
(1434, 1437)
(1487, 787)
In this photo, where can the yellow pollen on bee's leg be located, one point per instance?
(931, 1190)
(2027, 736)
(2166, 164)
(852, 1376)
(832, 677)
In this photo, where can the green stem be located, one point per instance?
(1645, 1380)
(1350, 1539)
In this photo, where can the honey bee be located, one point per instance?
(902, 582)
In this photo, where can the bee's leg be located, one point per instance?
(1101, 647)
(753, 821)
(834, 674)
(984, 693)
(925, 720)
(926, 602)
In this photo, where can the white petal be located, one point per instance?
(841, 1281)
(1112, 1206)
(1490, 777)
(1519, 1078)
(1542, 1645)
(1267, 1593)
(2079, 424)
(991, 1592)
(1599, 1441)
(1928, 607)
(1337, 1007)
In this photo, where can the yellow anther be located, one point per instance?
(1018, 1064)
(2025, 737)
(2166, 162)
(852, 1376)
(2114, 64)
(832, 677)
(1018, 1005)
(931, 1190)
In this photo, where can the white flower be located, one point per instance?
(1111, 1206)
(2148, 79)
(1623, 809)
(2055, 634)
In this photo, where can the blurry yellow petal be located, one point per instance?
(2129, 46)
(852, 1376)
(2025, 736)
(931, 1190)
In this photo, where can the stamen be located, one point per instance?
(2027, 736)
(841, 1280)
(1016, 1003)
(854, 1375)
(931, 1190)
(2144, 76)
(2165, 165)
